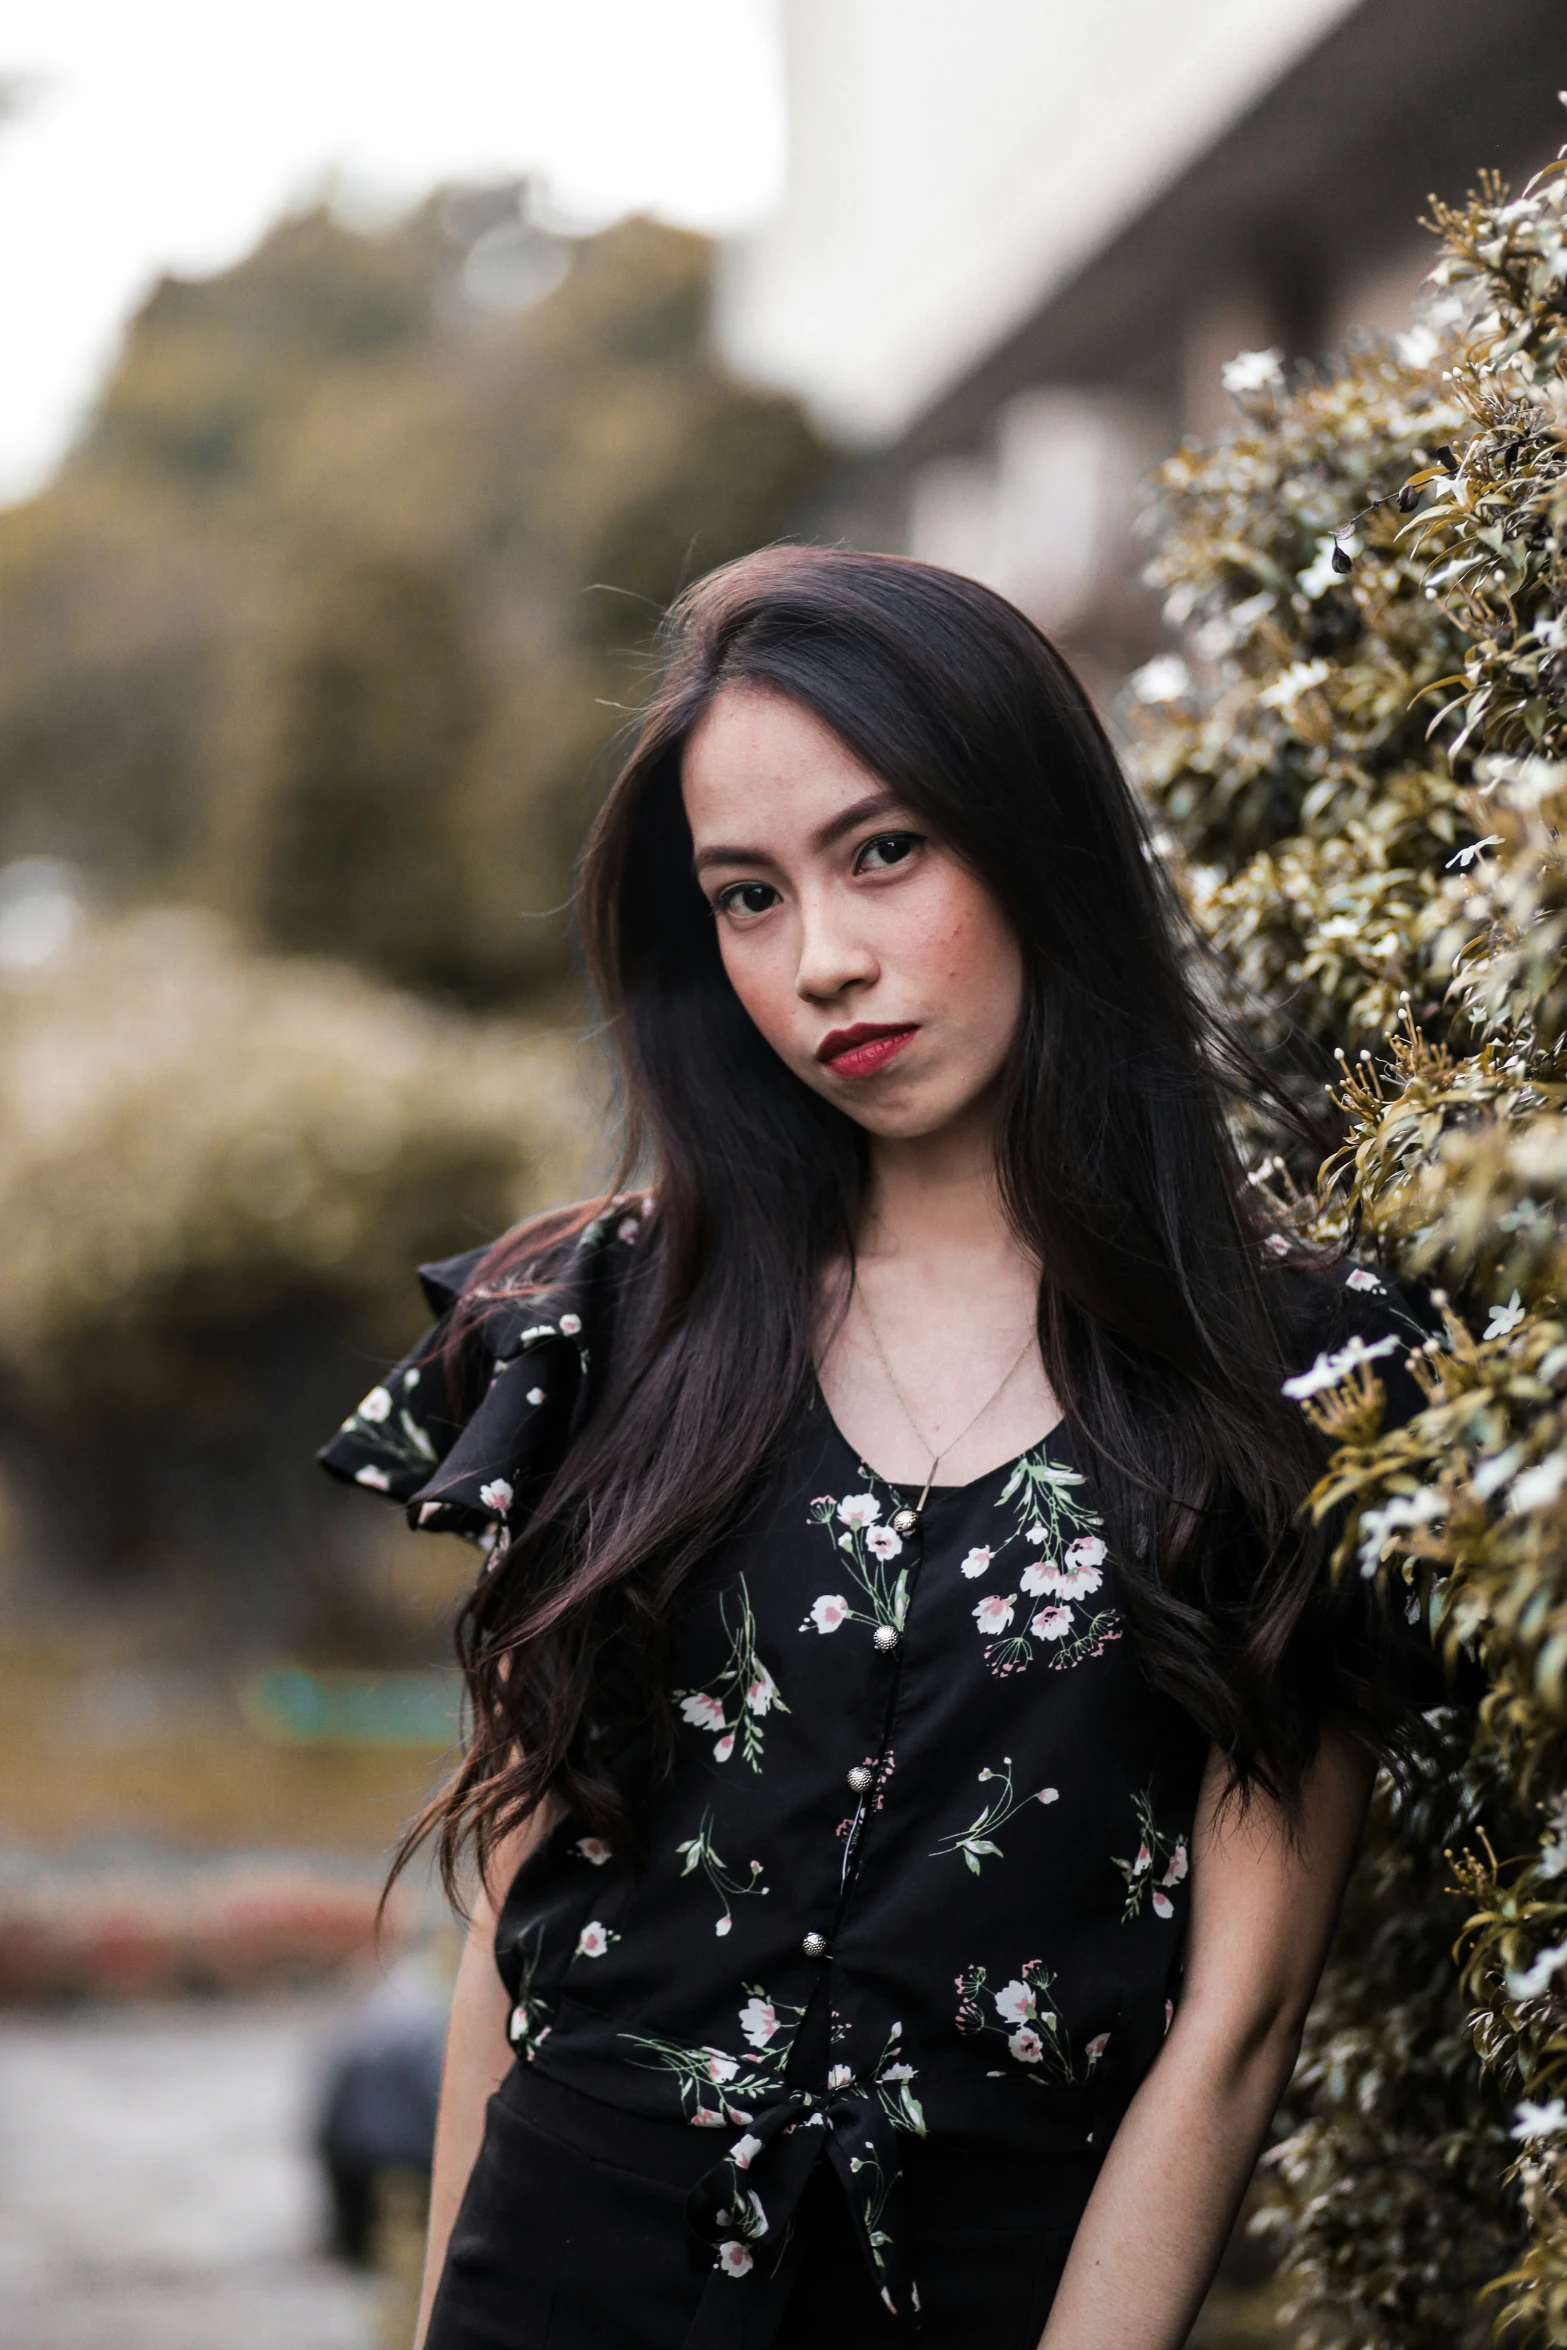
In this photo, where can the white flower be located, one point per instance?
(1540, 2121)
(1328, 1370)
(994, 1614)
(1101, 2041)
(496, 1497)
(1164, 1907)
(734, 2259)
(719, 2066)
(570, 1324)
(595, 1849)
(725, 1925)
(1040, 1576)
(705, 2118)
(1528, 1982)
(1538, 1487)
(758, 2021)
(744, 2151)
(976, 1561)
(1143, 1862)
(1165, 678)
(1301, 677)
(859, 1509)
(828, 1612)
(724, 1747)
(762, 1692)
(1465, 857)
(1078, 1585)
(882, 1543)
(1049, 1795)
(1378, 1526)
(1504, 1318)
(702, 1711)
(1177, 1868)
(1026, 2045)
(840, 2076)
(1086, 1551)
(1252, 371)
(896, 2072)
(535, 1395)
(594, 1940)
(377, 1478)
(1361, 1279)
(1052, 1623)
(377, 1405)
(1014, 2002)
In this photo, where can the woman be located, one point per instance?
(918, 1747)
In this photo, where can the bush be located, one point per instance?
(1360, 759)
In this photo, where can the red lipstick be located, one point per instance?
(865, 1048)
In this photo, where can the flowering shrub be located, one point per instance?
(1359, 759)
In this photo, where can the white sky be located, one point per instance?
(168, 134)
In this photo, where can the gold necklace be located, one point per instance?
(906, 1521)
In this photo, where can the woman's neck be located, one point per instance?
(936, 1199)
(932, 1349)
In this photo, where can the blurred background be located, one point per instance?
(372, 381)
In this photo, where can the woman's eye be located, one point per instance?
(746, 897)
(888, 848)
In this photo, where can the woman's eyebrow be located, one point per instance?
(877, 803)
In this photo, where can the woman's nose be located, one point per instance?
(834, 954)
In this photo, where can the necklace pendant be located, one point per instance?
(905, 1521)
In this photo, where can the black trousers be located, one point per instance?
(572, 2236)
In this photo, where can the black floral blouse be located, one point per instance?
(922, 1863)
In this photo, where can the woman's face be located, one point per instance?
(875, 963)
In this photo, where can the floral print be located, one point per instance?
(698, 1852)
(745, 1690)
(1048, 1517)
(977, 1842)
(1026, 2017)
(1157, 1866)
(714, 2086)
(391, 1424)
(528, 2026)
(869, 1552)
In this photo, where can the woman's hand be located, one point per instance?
(478, 2058)
(1263, 1911)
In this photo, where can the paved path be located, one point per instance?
(156, 2187)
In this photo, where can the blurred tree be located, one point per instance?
(377, 717)
(336, 603)
(217, 1172)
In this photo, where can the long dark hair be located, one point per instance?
(1163, 1327)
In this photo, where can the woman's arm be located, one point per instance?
(478, 2058)
(1263, 1912)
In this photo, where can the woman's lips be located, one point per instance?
(861, 1051)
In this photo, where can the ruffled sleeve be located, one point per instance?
(468, 1429)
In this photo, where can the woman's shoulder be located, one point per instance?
(457, 1430)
